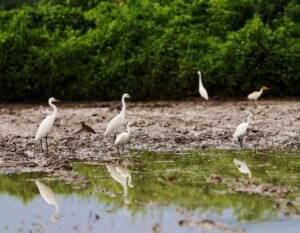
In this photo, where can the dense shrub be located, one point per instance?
(150, 49)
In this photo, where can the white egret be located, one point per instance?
(242, 167)
(123, 138)
(47, 124)
(48, 195)
(120, 175)
(256, 94)
(241, 130)
(118, 120)
(202, 90)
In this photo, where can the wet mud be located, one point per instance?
(158, 126)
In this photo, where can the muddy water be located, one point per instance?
(157, 192)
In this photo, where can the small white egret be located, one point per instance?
(118, 120)
(242, 167)
(47, 124)
(121, 175)
(48, 195)
(241, 130)
(123, 138)
(202, 90)
(256, 94)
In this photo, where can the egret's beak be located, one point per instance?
(55, 100)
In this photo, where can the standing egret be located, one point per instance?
(242, 167)
(202, 90)
(123, 138)
(48, 195)
(118, 120)
(256, 94)
(47, 124)
(241, 130)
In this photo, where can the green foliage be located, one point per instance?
(151, 49)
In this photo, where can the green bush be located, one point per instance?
(150, 49)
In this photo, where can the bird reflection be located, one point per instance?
(122, 176)
(48, 195)
(242, 167)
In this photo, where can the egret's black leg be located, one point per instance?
(241, 142)
(47, 144)
(119, 150)
(41, 145)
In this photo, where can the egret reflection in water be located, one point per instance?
(48, 195)
(121, 175)
(242, 167)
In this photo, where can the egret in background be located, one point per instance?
(118, 120)
(202, 90)
(123, 138)
(48, 195)
(242, 167)
(241, 130)
(47, 124)
(256, 94)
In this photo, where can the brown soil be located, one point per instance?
(159, 126)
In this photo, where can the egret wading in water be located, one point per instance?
(48, 195)
(242, 167)
(202, 90)
(256, 94)
(47, 124)
(123, 138)
(241, 130)
(118, 120)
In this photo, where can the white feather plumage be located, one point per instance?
(124, 137)
(47, 124)
(202, 90)
(242, 128)
(118, 120)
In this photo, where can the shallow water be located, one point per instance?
(191, 192)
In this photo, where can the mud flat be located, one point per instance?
(159, 126)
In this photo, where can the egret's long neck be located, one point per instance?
(200, 79)
(123, 106)
(128, 129)
(261, 91)
(54, 114)
(248, 120)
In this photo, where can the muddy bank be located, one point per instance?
(159, 126)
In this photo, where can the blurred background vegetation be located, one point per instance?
(152, 49)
